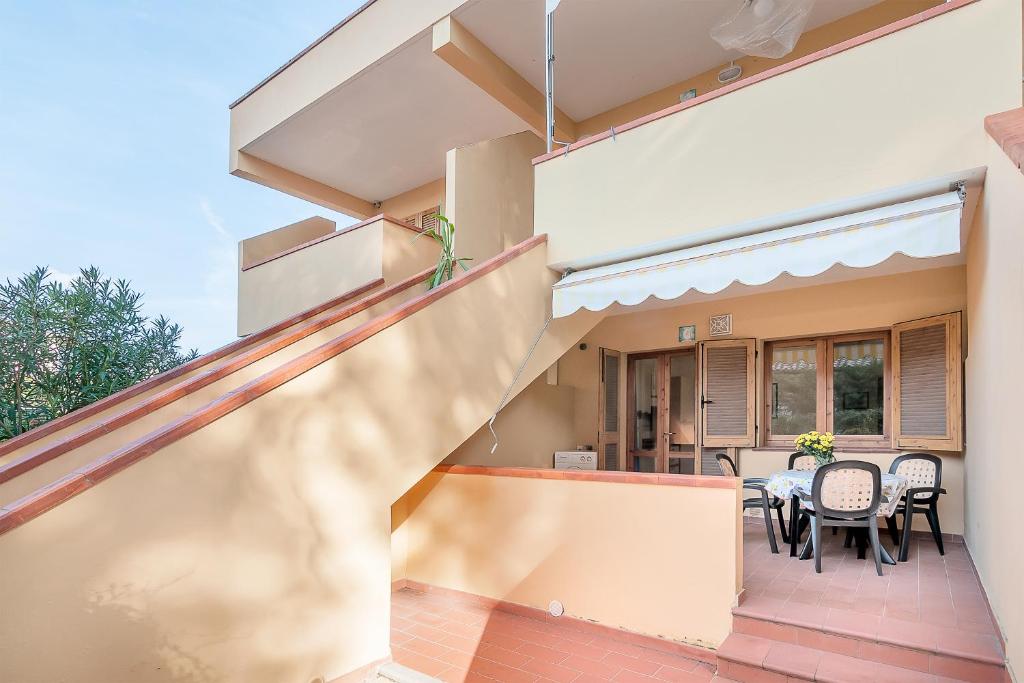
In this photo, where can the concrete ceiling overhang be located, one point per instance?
(386, 129)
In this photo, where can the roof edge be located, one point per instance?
(278, 70)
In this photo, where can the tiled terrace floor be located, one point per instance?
(455, 640)
(925, 620)
(923, 617)
(929, 592)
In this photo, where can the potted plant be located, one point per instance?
(444, 235)
(820, 446)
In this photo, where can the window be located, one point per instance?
(836, 384)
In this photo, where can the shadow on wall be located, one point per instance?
(257, 548)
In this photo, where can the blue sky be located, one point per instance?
(113, 143)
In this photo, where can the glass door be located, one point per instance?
(661, 398)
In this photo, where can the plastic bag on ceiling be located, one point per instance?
(763, 28)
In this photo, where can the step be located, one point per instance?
(750, 659)
(394, 672)
(910, 647)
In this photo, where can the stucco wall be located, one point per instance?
(489, 193)
(824, 309)
(850, 26)
(258, 548)
(995, 374)
(872, 118)
(311, 275)
(260, 247)
(535, 424)
(415, 200)
(598, 547)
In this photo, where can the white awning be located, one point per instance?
(924, 228)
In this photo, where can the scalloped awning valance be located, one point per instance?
(923, 228)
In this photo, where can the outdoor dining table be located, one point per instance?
(791, 483)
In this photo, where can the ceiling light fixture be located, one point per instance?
(730, 73)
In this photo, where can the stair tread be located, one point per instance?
(929, 638)
(811, 664)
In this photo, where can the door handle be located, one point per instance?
(704, 401)
(669, 433)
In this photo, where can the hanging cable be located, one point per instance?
(515, 378)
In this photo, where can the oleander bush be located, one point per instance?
(64, 346)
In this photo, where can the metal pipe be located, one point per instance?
(549, 79)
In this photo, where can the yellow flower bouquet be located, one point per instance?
(817, 445)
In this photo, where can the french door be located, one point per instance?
(661, 397)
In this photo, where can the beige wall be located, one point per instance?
(837, 128)
(418, 199)
(535, 424)
(490, 193)
(824, 309)
(310, 276)
(258, 548)
(995, 374)
(260, 247)
(631, 556)
(835, 32)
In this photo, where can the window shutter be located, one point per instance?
(608, 411)
(927, 384)
(727, 388)
(425, 219)
(428, 219)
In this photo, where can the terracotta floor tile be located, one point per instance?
(600, 669)
(498, 654)
(853, 624)
(833, 667)
(641, 666)
(626, 676)
(551, 672)
(793, 659)
(674, 675)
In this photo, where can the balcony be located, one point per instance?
(310, 263)
(898, 107)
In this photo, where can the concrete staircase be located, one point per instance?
(246, 500)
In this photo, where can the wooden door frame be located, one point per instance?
(662, 374)
(602, 434)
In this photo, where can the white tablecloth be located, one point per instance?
(789, 482)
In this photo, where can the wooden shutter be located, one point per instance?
(425, 219)
(727, 393)
(608, 411)
(927, 384)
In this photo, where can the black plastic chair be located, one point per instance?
(845, 494)
(765, 501)
(924, 476)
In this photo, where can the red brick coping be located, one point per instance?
(856, 41)
(129, 392)
(336, 233)
(691, 480)
(30, 461)
(1007, 129)
(47, 497)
